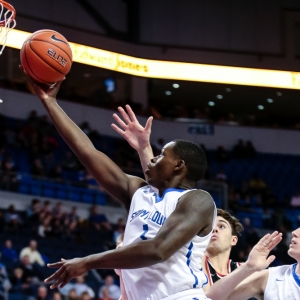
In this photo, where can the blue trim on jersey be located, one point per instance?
(297, 279)
(158, 199)
(205, 283)
(188, 255)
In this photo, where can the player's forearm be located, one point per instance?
(145, 154)
(222, 289)
(69, 131)
(134, 256)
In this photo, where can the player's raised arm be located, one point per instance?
(135, 134)
(104, 170)
(229, 288)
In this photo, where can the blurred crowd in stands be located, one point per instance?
(23, 269)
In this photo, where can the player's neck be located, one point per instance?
(176, 184)
(220, 261)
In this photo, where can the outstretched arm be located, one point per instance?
(135, 134)
(194, 213)
(258, 260)
(104, 170)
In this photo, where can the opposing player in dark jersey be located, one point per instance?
(217, 262)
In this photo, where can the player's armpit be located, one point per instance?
(253, 286)
(110, 177)
(193, 215)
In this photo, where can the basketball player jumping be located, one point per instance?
(169, 223)
(216, 263)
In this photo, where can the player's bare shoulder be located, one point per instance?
(200, 205)
(199, 197)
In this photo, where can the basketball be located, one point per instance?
(46, 56)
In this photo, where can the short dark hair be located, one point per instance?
(236, 226)
(194, 158)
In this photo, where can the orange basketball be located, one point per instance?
(46, 56)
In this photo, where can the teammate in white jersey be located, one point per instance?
(169, 223)
(277, 283)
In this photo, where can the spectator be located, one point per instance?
(9, 180)
(58, 211)
(157, 146)
(32, 253)
(105, 294)
(114, 290)
(81, 287)
(257, 184)
(42, 294)
(37, 168)
(56, 296)
(98, 221)
(295, 200)
(72, 216)
(239, 150)
(119, 229)
(30, 275)
(57, 228)
(250, 151)
(45, 229)
(250, 235)
(72, 295)
(69, 162)
(221, 155)
(8, 253)
(5, 284)
(12, 219)
(46, 208)
(17, 281)
(221, 176)
(34, 208)
(56, 173)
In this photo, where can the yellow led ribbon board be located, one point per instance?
(171, 70)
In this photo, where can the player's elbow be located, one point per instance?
(161, 253)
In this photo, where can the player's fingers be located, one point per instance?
(117, 129)
(270, 259)
(119, 121)
(56, 265)
(65, 281)
(275, 241)
(55, 275)
(124, 114)
(264, 240)
(59, 280)
(149, 123)
(131, 113)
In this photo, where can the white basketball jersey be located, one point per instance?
(283, 284)
(182, 272)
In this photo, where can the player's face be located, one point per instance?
(294, 249)
(161, 168)
(222, 238)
